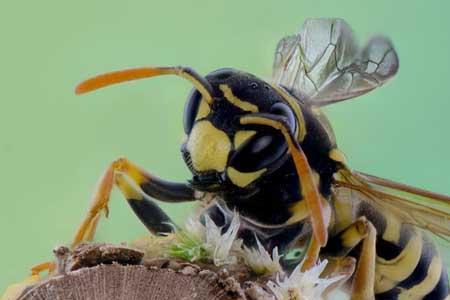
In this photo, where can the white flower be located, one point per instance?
(302, 285)
(218, 246)
(194, 228)
(260, 261)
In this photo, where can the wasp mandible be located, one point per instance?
(266, 150)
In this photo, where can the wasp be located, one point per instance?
(267, 151)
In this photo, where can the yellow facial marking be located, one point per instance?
(209, 147)
(241, 136)
(388, 273)
(203, 110)
(427, 285)
(244, 105)
(243, 179)
(293, 103)
(337, 155)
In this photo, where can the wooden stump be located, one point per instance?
(106, 282)
(108, 272)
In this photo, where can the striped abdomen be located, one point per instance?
(408, 263)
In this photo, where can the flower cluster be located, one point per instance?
(300, 285)
(208, 242)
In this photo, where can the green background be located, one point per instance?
(54, 145)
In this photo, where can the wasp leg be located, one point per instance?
(342, 243)
(314, 248)
(338, 266)
(137, 186)
(361, 231)
(364, 277)
(47, 266)
(311, 255)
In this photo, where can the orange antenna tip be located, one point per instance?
(116, 77)
(107, 79)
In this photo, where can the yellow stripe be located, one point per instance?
(244, 105)
(241, 136)
(425, 286)
(203, 110)
(242, 179)
(293, 103)
(300, 210)
(390, 272)
(337, 155)
(323, 120)
(343, 206)
(393, 229)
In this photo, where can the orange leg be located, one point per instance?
(137, 186)
(312, 254)
(364, 277)
(47, 266)
(314, 248)
(338, 266)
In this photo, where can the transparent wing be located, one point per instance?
(411, 205)
(322, 63)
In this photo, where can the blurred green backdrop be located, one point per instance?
(54, 145)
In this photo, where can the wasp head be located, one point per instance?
(219, 150)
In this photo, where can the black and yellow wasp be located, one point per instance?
(266, 150)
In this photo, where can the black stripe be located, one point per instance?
(387, 250)
(421, 270)
(406, 232)
(168, 191)
(375, 217)
(418, 275)
(152, 216)
(392, 294)
(441, 290)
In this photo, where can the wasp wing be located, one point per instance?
(411, 205)
(322, 63)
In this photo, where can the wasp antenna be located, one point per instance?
(107, 79)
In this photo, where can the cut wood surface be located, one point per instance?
(128, 282)
(102, 271)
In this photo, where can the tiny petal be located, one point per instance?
(302, 285)
(260, 261)
(195, 228)
(224, 243)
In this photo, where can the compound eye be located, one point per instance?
(191, 110)
(259, 152)
(285, 111)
